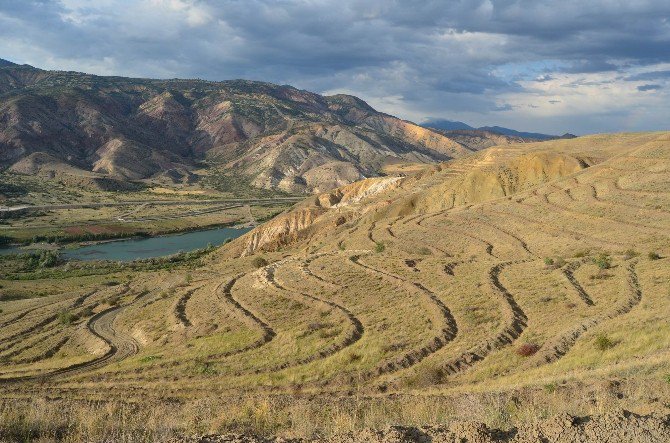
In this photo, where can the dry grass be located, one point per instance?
(407, 296)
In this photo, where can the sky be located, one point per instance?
(580, 66)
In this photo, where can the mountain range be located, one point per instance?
(451, 125)
(90, 129)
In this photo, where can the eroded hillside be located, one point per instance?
(77, 128)
(534, 266)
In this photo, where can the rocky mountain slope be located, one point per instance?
(68, 124)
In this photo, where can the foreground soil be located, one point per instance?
(619, 427)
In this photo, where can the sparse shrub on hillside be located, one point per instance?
(630, 253)
(653, 256)
(424, 251)
(66, 318)
(259, 262)
(203, 367)
(527, 349)
(604, 343)
(603, 261)
(150, 358)
(667, 378)
(554, 263)
(341, 246)
(86, 312)
(379, 247)
(550, 388)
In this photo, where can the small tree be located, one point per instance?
(654, 256)
(379, 247)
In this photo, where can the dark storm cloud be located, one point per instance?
(646, 76)
(649, 87)
(419, 58)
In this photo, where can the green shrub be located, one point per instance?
(603, 261)
(653, 256)
(548, 261)
(203, 367)
(150, 358)
(259, 262)
(550, 388)
(379, 247)
(604, 343)
(66, 318)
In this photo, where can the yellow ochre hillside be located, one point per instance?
(536, 267)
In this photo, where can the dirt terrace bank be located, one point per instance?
(619, 427)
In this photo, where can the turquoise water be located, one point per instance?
(136, 249)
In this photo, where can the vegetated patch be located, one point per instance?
(527, 349)
(380, 247)
(204, 367)
(554, 262)
(259, 262)
(603, 261)
(150, 358)
(424, 251)
(603, 342)
(550, 388)
(67, 318)
(653, 256)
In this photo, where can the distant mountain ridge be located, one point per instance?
(88, 129)
(450, 125)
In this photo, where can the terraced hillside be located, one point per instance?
(531, 265)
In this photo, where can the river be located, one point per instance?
(141, 248)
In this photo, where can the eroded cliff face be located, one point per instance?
(489, 175)
(319, 213)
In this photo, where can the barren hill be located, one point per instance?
(270, 136)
